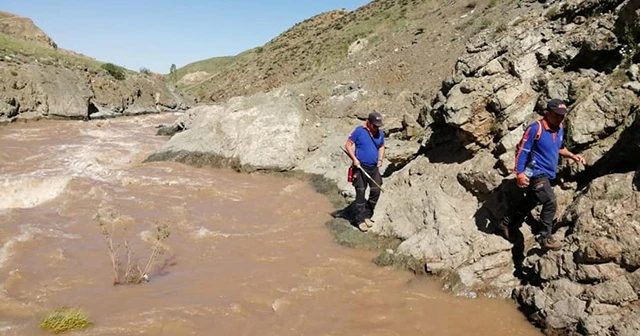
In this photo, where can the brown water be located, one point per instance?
(248, 254)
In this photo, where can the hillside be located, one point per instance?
(197, 72)
(40, 80)
(24, 29)
(381, 45)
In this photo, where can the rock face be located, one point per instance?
(39, 80)
(32, 91)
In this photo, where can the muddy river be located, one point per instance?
(246, 254)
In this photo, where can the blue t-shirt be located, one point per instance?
(366, 145)
(544, 150)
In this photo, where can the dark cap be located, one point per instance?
(375, 118)
(557, 106)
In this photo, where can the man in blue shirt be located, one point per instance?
(536, 163)
(367, 155)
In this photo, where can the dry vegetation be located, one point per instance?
(124, 261)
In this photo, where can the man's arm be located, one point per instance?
(349, 147)
(564, 152)
(380, 155)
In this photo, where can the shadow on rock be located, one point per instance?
(444, 146)
(621, 158)
(489, 215)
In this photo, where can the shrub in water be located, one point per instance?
(65, 319)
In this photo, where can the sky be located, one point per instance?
(156, 34)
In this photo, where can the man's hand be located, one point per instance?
(356, 163)
(379, 163)
(579, 159)
(523, 180)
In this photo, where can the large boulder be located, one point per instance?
(263, 131)
(427, 207)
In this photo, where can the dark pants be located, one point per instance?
(538, 192)
(364, 207)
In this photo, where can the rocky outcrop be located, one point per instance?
(32, 91)
(39, 80)
(263, 131)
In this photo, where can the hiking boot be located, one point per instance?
(369, 222)
(363, 227)
(503, 230)
(550, 243)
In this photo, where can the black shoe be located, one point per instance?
(503, 230)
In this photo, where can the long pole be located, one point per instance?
(364, 172)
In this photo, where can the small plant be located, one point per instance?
(484, 24)
(65, 319)
(491, 3)
(173, 72)
(125, 267)
(114, 70)
(145, 71)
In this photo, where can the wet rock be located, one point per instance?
(400, 261)
(170, 130)
(348, 235)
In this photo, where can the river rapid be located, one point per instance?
(246, 254)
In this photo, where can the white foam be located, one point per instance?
(6, 251)
(29, 191)
(203, 232)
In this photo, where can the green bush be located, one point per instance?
(114, 70)
(145, 71)
(65, 319)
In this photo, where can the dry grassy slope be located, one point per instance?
(195, 73)
(24, 29)
(412, 46)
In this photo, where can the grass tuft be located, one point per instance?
(65, 319)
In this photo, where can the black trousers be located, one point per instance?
(364, 208)
(539, 191)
